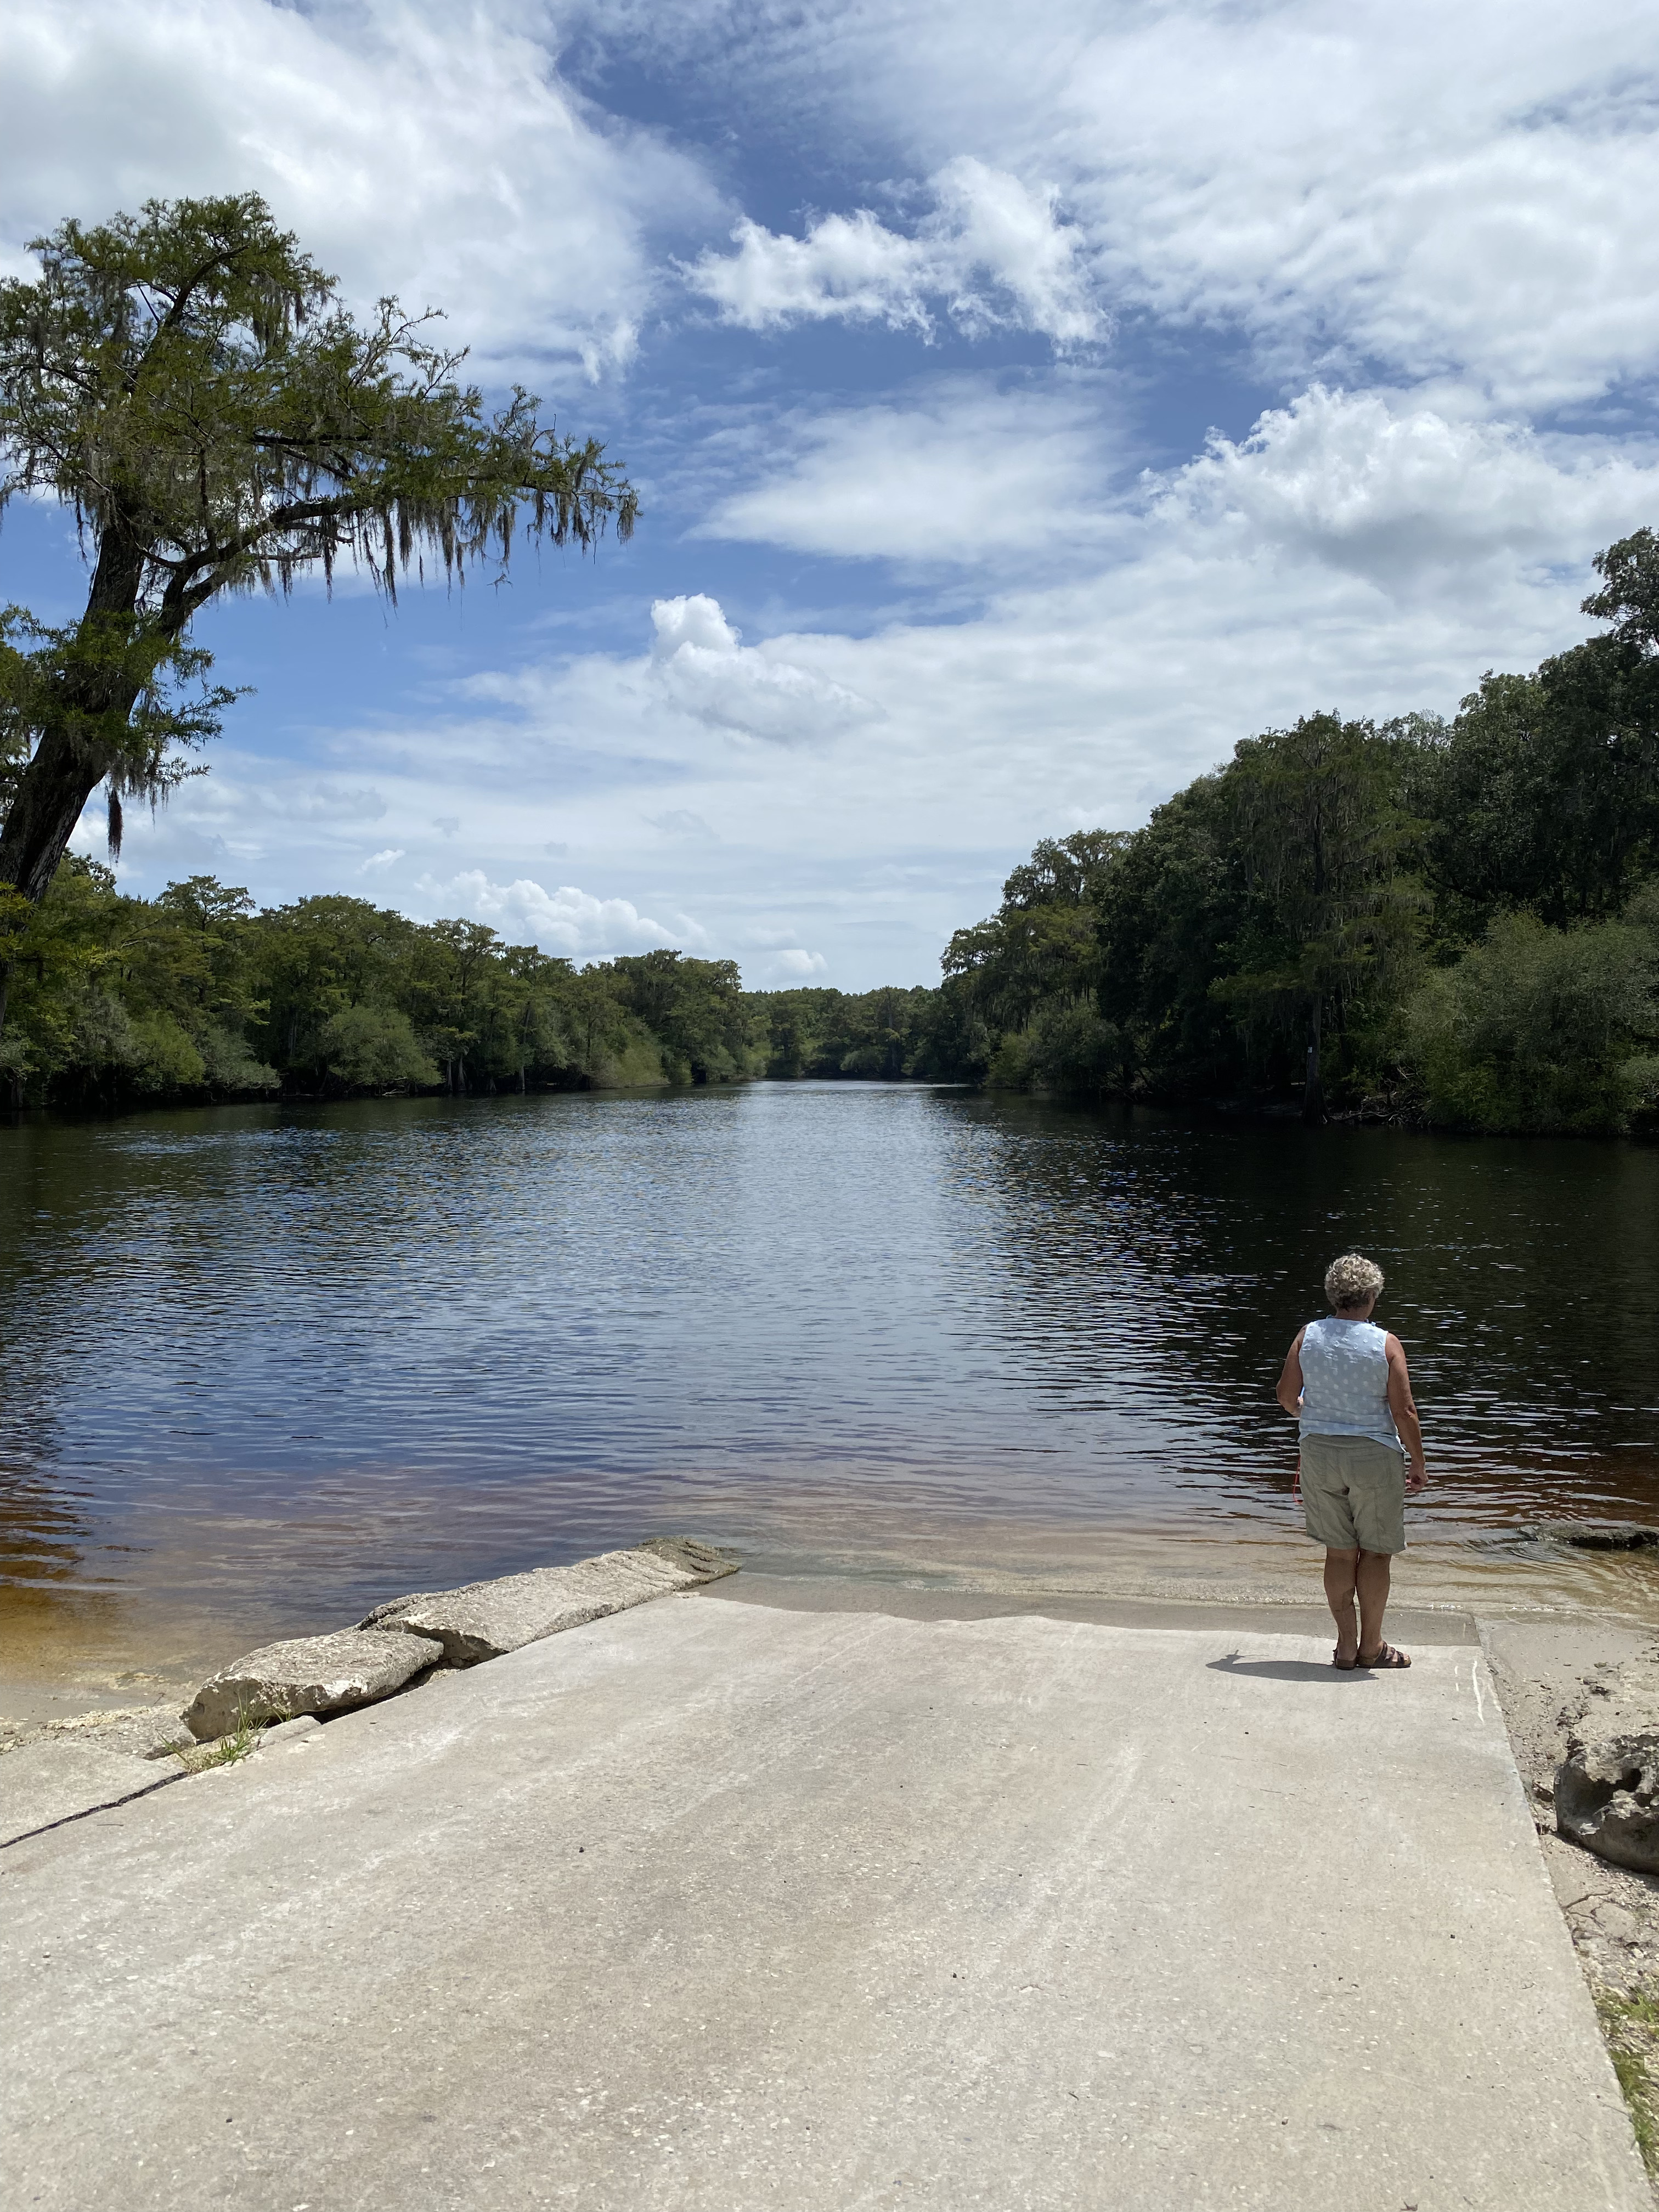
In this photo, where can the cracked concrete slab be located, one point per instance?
(57, 1779)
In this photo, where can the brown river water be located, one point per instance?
(261, 1368)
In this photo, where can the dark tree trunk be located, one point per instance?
(40, 821)
(52, 790)
(69, 762)
(1313, 1093)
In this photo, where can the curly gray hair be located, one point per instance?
(1350, 1280)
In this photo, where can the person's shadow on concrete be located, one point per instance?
(1286, 1670)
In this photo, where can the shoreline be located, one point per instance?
(65, 1654)
(1284, 1112)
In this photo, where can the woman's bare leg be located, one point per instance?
(1340, 1572)
(1371, 1581)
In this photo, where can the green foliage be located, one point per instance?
(1415, 920)
(1630, 2023)
(696, 1011)
(373, 1049)
(1173, 902)
(1539, 1029)
(1629, 598)
(192, 995)
(190, 385)
(191, 376)
(241, 1742)
(80, 673)
(228, 1067)
(1072, 1048)
(1201, 952)
(878, 1036)
(1544, 791)
(1044, 937)
(1025, 985)
(163, 1057)
(1314, 831)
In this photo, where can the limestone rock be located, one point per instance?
(704, 1563)
(1606, 1789)
(55, 1778)
(309, 1674)
(482, 1621)
(1596, 1535)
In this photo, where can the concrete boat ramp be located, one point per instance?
(731, 1905)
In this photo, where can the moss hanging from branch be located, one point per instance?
(190, 384)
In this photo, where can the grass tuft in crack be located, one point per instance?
(1631, 2025)
(225, 1750)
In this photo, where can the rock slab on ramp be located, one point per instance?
(485, 1620)
(721, 1908)
(306, 1675)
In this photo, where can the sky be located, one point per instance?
(1026, 405)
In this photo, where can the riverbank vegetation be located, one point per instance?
(1441, 923)
(194, 993)
(117, 1000)
(1447, 922)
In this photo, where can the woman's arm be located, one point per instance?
(1290, 1382)
(1403, 1406)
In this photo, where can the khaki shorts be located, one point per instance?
(1353, 1493)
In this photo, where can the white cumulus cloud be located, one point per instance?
(705, 670)
(992, 251)
(1445, 190)
(567, 920)
(1399, 491)
(417, 148)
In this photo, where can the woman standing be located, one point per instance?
(1362, 1449)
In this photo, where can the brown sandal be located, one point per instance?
(1343, 1666)
(1385, 1655)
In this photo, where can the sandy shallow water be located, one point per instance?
(147, 1643)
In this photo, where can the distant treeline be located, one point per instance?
(1454, 924)
(194, 995)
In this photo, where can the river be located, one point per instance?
(263, 1367)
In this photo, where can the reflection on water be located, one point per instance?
(261, 1367)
